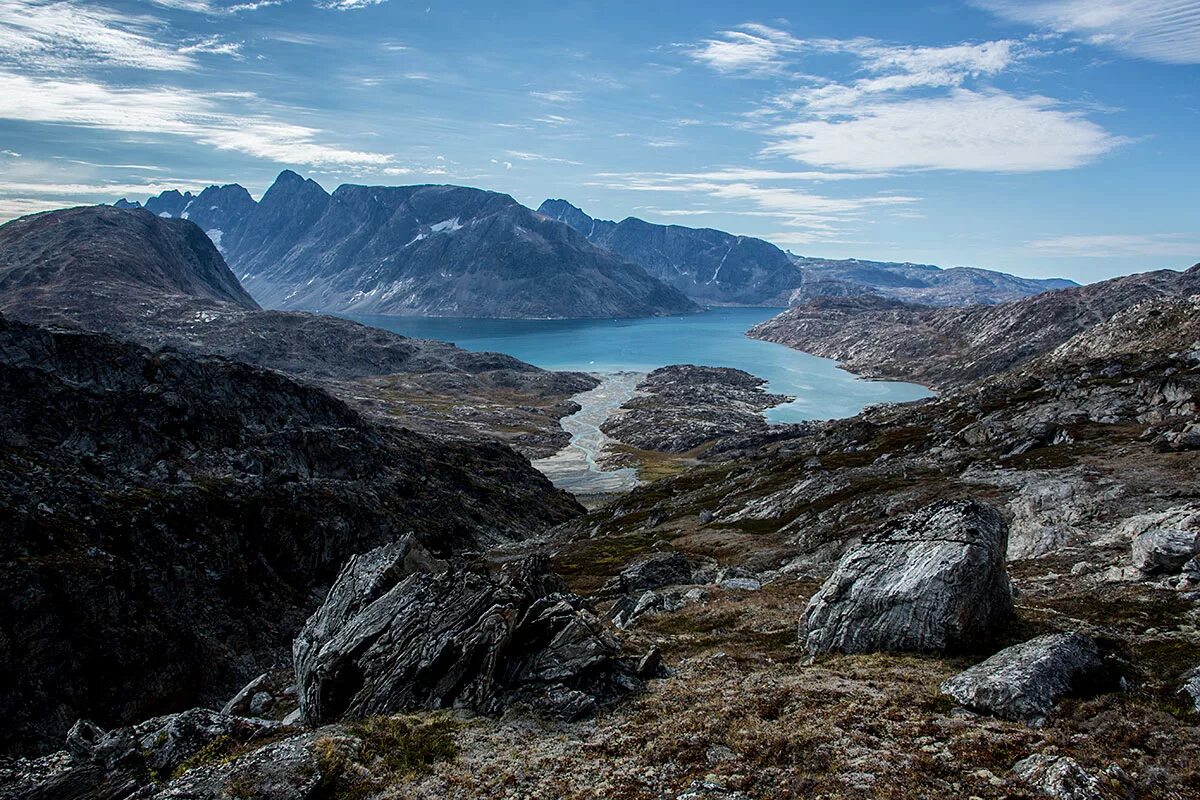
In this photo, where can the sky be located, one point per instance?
(1039, 137)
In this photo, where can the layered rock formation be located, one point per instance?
(399, 632)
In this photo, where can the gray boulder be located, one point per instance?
(1062, 778)
(651, 572)
(1023, 682)
(400, 631)
(931, 582)
(1164, 543)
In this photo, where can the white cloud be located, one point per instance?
(560, 96)
(53, 35)
(1125, 245)
(971, 131)
(209, 7)
(750, 49)
(13, 207)
(203, 117)
(1159, 30)
(213, 45)
(553, 119)
(522, 155)
(818, 215)
(348, 5)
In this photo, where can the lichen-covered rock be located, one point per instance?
(651, 572)
(400, 631)
(932, 582)
(1023, 682)
(1162, 543)
(286, 770)
(1062, 778)
(1191, 687)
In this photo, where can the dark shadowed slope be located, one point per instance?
(170, 520)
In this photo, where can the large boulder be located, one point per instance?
(1023, 682)
(650, 572)
(1163, 543)
(400, 631)
(931, 582)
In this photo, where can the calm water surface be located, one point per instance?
(715, 338)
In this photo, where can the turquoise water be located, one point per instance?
(715, 338)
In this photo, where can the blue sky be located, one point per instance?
(1041, 137)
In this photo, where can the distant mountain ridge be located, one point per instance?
(886, 338)
(421, 250)
(713, 266)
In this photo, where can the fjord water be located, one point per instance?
(714, 338)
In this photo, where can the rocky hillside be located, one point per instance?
(83, 257)
(431, 250)
(943, 346)
(171, 519)
(717, 267)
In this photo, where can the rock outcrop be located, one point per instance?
(170, 521)
(1062, 778)
(1025, 681)
(933, 582)
(399, 632)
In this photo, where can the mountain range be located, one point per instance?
(712, 266)
(415, 250)
(458, 251)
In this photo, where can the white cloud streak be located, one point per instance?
(1112, 245)
(55, 35)
(1158, 30)
(203, 117)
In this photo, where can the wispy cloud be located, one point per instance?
(228, 121)
(214, 45)
(553, 119)
(210, 7)
(1159, 30)
(749, 49)
(348, 5)
(821, 216)
(1109, 245)
(53, 35)
(522, 155)
(563, 96)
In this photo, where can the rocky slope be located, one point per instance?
(431, 250)
(169, 519)
(944, 346)
(717, 267)
(162, 283)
